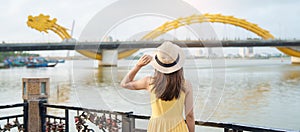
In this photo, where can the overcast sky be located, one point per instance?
(280, 17)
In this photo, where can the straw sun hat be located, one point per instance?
(168, 58)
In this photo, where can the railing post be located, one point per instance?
(128, 122)
(35, 93)
(226, 130)
(43, 112)
(66, 120)
(25, 113)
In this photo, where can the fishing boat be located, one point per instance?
(40, 62)
(44, 64)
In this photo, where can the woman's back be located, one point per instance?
(165, 108)
(167, 115)
(170, 93)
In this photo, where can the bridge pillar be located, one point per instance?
(295, 60)
(107, 74)
(109, 58)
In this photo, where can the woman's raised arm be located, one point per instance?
(129, 82)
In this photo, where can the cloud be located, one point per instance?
(13, 21)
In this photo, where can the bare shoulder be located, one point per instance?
(188, 83)
(188, 86)
(148, 81)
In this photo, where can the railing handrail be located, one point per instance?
(12, 105)
(85, 109)
(199, 123)
(238, 126)
(13, 116)
(224, 125)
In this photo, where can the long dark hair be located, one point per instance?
(168, 86)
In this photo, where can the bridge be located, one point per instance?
(43, 23)
(143, 44)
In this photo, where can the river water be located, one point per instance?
(253, 92)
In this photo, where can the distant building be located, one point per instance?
(246, 52)
(210, 51)
(107, 39)
(187, 53)
(199, 53)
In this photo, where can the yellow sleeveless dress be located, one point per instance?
(167, 116)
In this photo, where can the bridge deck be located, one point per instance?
(141, 44)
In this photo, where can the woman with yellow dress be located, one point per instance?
(171, 95)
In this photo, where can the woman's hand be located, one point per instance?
(143, 83)
(144, 60)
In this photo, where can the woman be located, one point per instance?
(170, 93)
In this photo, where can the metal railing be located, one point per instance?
(228, 127)
(113, 121)
(12, 121)
(105, 120)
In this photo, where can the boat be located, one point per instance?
(40, 62)
(2, 65)
(44, 64)
(61, 61)
(52, 64)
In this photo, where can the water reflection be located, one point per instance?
(236, 104)
(291, 76)
(63, 93)
(107, 75)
